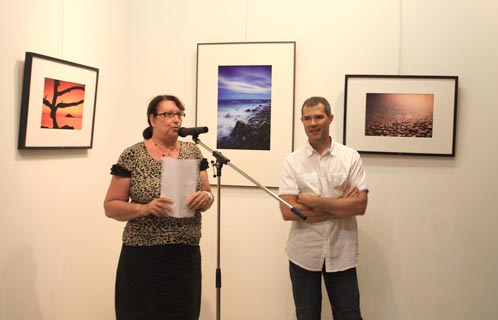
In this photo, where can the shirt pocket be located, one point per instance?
(337, 183)
(309, 182)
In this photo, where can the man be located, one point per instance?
(325, 180)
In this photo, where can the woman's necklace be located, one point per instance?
(165, 153)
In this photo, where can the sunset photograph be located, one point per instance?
(62, 106)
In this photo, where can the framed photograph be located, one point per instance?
(245, 96)
(406, 115)
(58, 104)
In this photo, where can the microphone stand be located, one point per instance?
(221, 160)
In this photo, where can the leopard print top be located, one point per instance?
(145, 173)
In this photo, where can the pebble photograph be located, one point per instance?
(399, 115)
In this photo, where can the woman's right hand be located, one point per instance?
(159, 207)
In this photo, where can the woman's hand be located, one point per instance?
(200, 201)
(159, 207)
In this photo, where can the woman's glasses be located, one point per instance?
(170, 114)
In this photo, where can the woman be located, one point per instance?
(159, 270)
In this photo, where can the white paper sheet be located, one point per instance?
(178, 182)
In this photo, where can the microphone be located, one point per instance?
(194, 131)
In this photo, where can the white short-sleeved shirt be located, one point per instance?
(334, 241)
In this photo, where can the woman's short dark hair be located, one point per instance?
(152, 109)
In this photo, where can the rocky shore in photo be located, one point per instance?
(251, 135)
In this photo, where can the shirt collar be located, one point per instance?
(310, 151)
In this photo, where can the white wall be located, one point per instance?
(427, 241)
(57, 251)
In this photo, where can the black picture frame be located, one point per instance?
(401, 114)
(212, 58)
(58, 104)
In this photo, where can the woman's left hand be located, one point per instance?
(199, 201)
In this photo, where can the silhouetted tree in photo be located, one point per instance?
(54, 106)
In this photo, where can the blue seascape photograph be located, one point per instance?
(244, 107)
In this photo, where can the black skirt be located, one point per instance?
(158, 283)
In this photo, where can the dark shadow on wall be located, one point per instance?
(208, 311)
(19, 300)
(376, 293)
